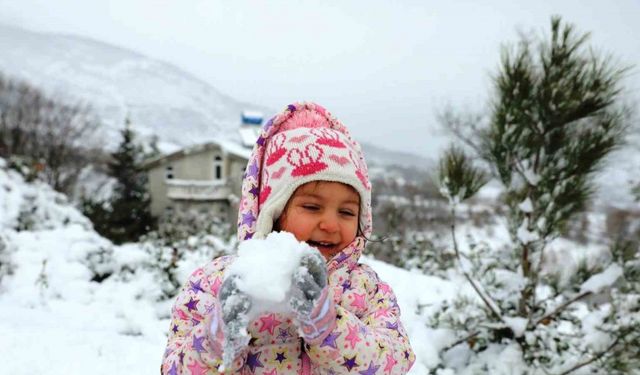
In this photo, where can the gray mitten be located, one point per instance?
(309, 281)
(235, 305)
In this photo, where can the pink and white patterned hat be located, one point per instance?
(304, 143)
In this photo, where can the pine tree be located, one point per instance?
(554, 120)
(126, 216)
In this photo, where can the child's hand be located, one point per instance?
(309, 280)
(235, 306)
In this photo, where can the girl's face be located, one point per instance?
(323, 214)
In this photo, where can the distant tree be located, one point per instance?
(554, 118)
(152, 150)
(636, 192)
(126, 215)
(46, 137)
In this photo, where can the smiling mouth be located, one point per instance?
(321, 244)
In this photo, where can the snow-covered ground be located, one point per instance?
(55, 320)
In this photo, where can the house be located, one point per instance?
(205, 177)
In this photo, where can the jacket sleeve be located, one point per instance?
(368, 337)
(192, 347)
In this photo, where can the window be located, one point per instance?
(168, 172)
(217, 167)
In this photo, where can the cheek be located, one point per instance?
(350, 231)
(296, 225)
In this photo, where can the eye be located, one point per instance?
(311, 207)
(347, 212)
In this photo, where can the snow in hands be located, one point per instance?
(252, 288)
(268, 286)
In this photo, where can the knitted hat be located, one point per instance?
(304, 143)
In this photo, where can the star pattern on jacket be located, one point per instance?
(269, 323)
(390, 362)
(253, 361)
(352, 346)
(353, 337)
(350, 362)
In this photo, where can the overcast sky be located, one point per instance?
(383, 67)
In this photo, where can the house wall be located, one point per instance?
(157, 190)
(236, 167)
(198, 166)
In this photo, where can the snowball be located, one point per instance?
(266, 267)
(602, 280)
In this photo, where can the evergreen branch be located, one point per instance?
(536, 275)
(562, 307)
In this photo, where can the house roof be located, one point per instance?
(249, 135)
(227, 146)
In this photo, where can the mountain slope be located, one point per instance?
(159, 98)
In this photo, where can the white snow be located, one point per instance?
(526, 206)
(525, 235)
(602, 280)
(55, 320)
(532, 177)
(266, 268)
(517, 325)
(73, 325)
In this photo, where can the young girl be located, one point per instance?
(308, 177)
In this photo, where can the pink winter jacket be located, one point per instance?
(368, 337)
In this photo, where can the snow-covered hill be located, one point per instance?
(160, 98)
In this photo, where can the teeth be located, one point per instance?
(326, 244)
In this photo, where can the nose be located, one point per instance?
(329, 223)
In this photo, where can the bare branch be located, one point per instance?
(51, 135)
(458, 342)
(562, 307)
(491, 305)
(464, 127)
(592, 359)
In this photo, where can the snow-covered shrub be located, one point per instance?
(408, 225)
(413, 250)
(27, 217)
(183, 242)
(171, 264)
(180, 225)
(23, 165)
(100, 262)
(565, 306)
(7, 267)
(42, 208)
